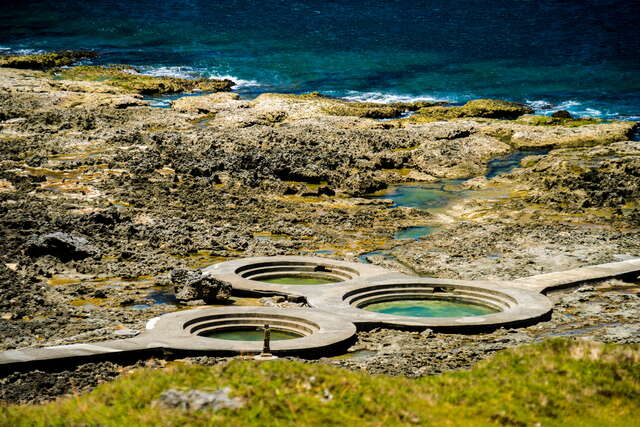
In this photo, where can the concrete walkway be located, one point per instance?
(563, 279)
(332, 321)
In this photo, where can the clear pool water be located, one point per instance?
(429, 308)
(249, 334)
(415, 232)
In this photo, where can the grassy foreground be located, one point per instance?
(559, 382)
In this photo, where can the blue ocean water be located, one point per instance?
(554, 54)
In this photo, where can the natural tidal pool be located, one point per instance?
(415, 232)
(249, 334)
(439, 194)
(506, 164)
(429, 308)
(299, 280)
(422, 196)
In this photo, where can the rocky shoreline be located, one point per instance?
(135, 192)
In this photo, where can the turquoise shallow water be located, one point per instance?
(429, 308)
(247, 334)
(439, 194)
(415, 232)
(580, 56)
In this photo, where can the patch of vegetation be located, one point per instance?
(43, 61)
(534, 120)
(129, 79)
(558, 382)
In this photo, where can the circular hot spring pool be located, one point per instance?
(428, 300)
(297, 272)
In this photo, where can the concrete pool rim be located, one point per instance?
(318, 330)
(244, 274)
(516, 306)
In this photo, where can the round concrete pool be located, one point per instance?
(291, 274)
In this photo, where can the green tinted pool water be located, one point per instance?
(249, 334)
(415, 232)
(298, 280)
(429, 308)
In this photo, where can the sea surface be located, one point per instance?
(582, 56)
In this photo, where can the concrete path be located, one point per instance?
(562, 279)
(332, 322)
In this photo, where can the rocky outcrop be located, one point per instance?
(43, 61)
(203, 104)
(63, 246)
(196, 288)
(480, 108)
(130, 80)
(600, 177)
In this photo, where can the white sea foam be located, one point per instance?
(192, 73)
(593, 112)
(550, 107)
(388, 98)
(240, 83)
(27, 51)
(177, 71)
(574, 107)
(13, 51)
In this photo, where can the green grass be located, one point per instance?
(559, 382)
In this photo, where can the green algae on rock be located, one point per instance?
(130, 80)
(42, 61)
(535, 120)
(373, 110)
(477, 108)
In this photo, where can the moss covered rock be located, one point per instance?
(373, 110)
(558, 121)
(130, 80)
(44, 61)
(483, 108)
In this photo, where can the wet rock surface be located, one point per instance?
(154, 190)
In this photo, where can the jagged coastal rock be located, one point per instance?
(195, 288)
(136, 193)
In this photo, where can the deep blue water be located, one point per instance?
(581, 56)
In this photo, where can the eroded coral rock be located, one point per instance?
(131, 80)
(203, 104)
(196, 288)
(46, 60)
(63, 246)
